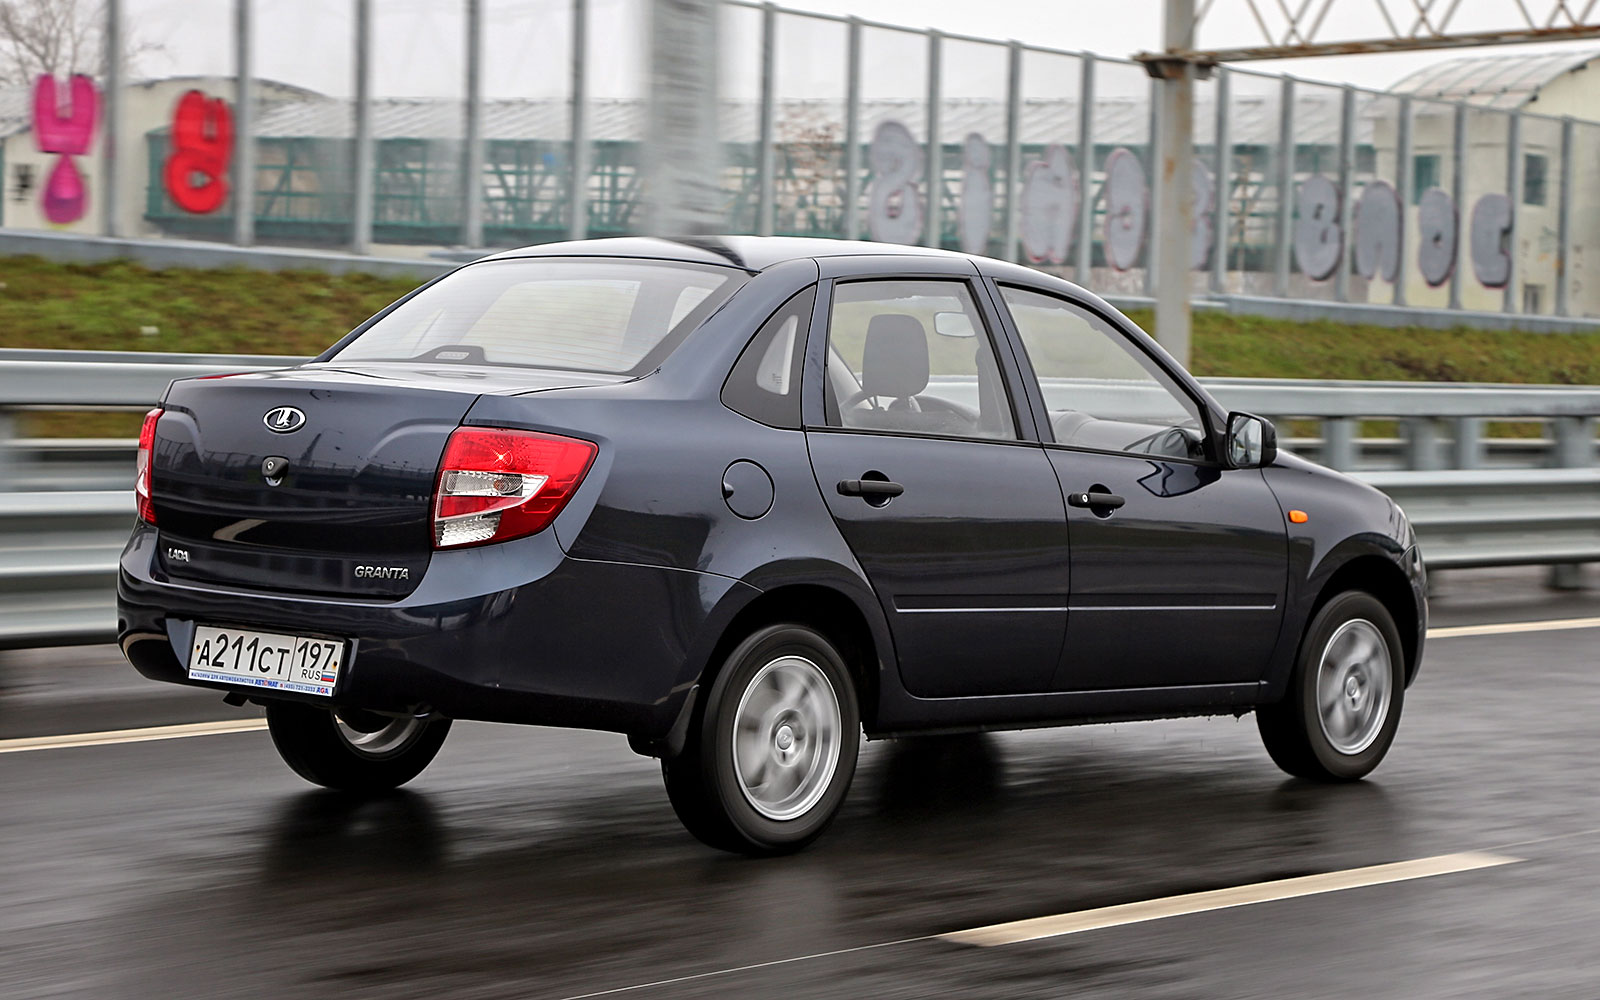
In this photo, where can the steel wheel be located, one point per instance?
(1339, 714)
(351, 749)
(1353, 684)
(770, 754)
(786, 738)
(376, 735)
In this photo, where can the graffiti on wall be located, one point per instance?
(1379, 227)
(196, 171)
(63, 126)
(1049, 204)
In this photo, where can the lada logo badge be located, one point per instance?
(284, 419)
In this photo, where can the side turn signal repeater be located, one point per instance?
(1299, 516)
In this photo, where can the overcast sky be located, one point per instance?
(420, 43)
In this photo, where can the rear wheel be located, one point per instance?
(1342, 709)
(353, 750)
(770, 757)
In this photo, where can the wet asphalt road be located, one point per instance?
(542, 863)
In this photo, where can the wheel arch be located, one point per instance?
(1387, 582)
(830, 612)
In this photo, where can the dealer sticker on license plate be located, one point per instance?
(296, 663)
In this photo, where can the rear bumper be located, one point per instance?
(516, 632)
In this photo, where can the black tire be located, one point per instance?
(747, 815)
(1294, 730)
(312, 741)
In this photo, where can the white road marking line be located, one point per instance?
(1219, 899)
(1129, 913)
(131, 735)
(1504, 628)
(745, 968)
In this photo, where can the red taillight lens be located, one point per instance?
(497, 484)
(141, 482)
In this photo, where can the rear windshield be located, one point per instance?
(615, 316)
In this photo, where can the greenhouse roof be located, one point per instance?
(1118, 120)
(1494, 81)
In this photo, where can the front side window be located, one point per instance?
(913, 357)
(616, 316)
(1101, 391)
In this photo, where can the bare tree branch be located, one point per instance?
(60, 37)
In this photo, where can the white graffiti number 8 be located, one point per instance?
(1318, 240)
(894, 205)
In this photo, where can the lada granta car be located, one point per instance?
(740, 500)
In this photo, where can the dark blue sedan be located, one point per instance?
(741, 499)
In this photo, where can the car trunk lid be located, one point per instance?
(317, 479)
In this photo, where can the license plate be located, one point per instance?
(302, 664)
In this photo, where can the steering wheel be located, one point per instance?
(857, 397)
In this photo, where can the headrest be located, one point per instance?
(895, 361)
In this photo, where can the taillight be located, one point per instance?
(496, 484)
(141, 482)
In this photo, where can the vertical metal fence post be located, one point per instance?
(1564, 221)
(1222, 195)
(111, 130)
(934, 173)
(244, 138)
(1083, 272)
(766, 154)
(1514, 192)
(1284, 184)
(1154, 147)
(1467, 448)
(364, 165)
(1421, 442)
(1458, 194)
(578, 161)
(1347, 202)
(852, 130)
(1340, 450)
(1174, 219)
(1008, 248)
(472, 138)
(1402, 180)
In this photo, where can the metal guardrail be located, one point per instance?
(58, 551)
(1499, 517)
(58, 548)
(58, 566)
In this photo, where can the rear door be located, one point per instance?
(955, 518)
(1178, 564)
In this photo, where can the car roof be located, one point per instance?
(753, 253)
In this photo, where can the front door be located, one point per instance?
(955, 520)
(1178, 564)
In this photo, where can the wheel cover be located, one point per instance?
(390, 738)
(786, 738)
(1353, 686)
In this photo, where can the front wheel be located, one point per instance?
(769, 760)
(1340, 714)
(352, 750)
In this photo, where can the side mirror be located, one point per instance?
(953, 324)
(1252, 441)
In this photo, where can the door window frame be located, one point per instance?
(1118, 325)
(814, 370)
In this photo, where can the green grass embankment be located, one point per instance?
(120, 306)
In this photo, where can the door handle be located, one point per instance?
(1095, 500)
(869, 488)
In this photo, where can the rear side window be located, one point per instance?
(765, 382)
(614, 315)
